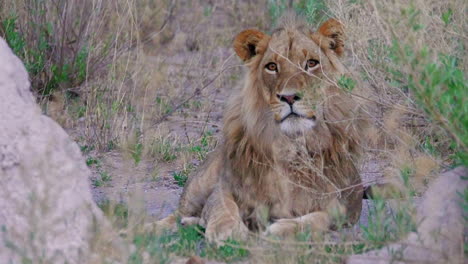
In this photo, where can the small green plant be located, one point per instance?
(440, 90)
(154, 174)
(197, 105)
(163, 149)
(275, 9)
(313, 10)
(105, 177)
(164, 105)
(188, 238)
(102, 179)
(338, 251)
(80, 112)
(406, 174)
(346, 83)
(136, 153)
(429, 147)
(436, 81)
(117, 212)
(85, 149)
(378, 229)
(207, 10)
(81, 64)
(186, 241)
(111, 145)
(386, 224)
(97, 182)
(48, 71)
(411, 13)
(180, 177)
(447, 16)
(12, 36)
(92, 161)
(231, 250)
(203, 147)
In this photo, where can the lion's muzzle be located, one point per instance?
(293, 116)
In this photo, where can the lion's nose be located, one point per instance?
(290, 99)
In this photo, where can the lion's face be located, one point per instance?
(290, 68)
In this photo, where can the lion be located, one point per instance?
(290, 142)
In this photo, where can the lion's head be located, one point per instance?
(288, 70)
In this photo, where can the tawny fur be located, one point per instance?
(262, 179)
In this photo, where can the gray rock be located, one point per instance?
(440, 234)
(47, 214)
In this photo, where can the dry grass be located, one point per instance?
(157, 74)
(408, 130)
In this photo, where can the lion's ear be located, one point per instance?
(333, 31)
(246, 43)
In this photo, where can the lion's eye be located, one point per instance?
(271, 67)
(311, 64)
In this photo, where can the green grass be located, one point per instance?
(275, 9)
(440, 89)
(378, 230)
(436, 81)
(85, 149)
(164, 149)
(102, 179)
(314, 11)
(75, 107)
(12, 36)
(231, 250)
(384, 226)
(164, 105)
(387, 224)
(116, 212)
(187, 241)
(136, 152)
(204, 146)
(346, 83)
(48, 71)
(92, 161)
(181, 177)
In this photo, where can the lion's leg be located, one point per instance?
(190, 220)
(168, 223)
(200, 186)
(221, 217)
(196, 192)
(316, 221)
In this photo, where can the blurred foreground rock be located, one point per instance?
(47, 214)
(440, 233)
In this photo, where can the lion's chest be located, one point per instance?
(295, 185)
(288, 192)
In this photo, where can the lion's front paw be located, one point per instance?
(282, 227)
(186, 221)
(166, 224)
(217, 233)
